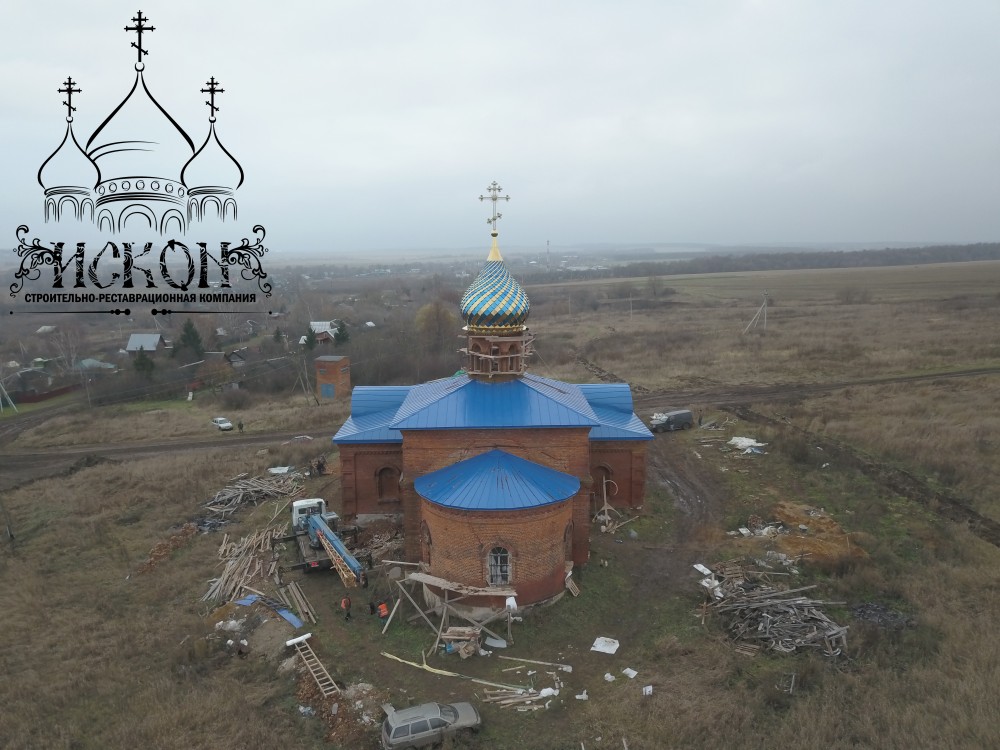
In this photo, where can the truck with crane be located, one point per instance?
(317, 534)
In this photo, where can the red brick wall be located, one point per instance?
(566, 450)
(359, 465)
(461, 542)
(626, 460)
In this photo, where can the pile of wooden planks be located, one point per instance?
(246, 561)
(524, 700)
(292, 595)
(774, 620)
(245, 490)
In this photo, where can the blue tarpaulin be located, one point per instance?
(246, 601)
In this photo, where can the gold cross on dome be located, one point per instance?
(494, 195)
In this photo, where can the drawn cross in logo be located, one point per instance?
(212, 91)
(69, 91)
(138, 29)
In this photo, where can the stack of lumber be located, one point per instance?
(244, 490)
(522, 700)
(249, 560)
(292, 595)
(772, 619)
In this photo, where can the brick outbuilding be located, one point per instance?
(333, 377)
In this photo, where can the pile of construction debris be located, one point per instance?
(761, 616)
(246, 490)
(246, 561)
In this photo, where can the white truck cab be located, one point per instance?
(301, 509)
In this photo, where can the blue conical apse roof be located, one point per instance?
(495, 302)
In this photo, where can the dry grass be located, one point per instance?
(918, 319)
(96, 657)
(180, 419)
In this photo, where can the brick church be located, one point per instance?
(495, 472)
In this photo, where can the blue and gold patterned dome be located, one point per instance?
(495, 303)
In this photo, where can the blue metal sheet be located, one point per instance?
(496, 480)
(370, 428)
(464, 403)
(612, 403)
(366, 399)
(372, 409)
(616, 425)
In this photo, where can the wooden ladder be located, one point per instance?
(346, 574)
(571, 585)
(323, 679)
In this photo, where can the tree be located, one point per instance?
(310, 339)
(340, 335)
(190, 340)
(143, 364)
(437, 323)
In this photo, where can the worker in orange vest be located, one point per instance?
(345, 604)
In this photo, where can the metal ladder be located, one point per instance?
(323, 679)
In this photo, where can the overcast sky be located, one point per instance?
(365, 126)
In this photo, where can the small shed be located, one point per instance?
(333, 377)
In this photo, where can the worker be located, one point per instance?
(345, 604)
(383, 610)
(239, 426)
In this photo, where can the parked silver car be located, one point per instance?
(222, 423)
(427, 725)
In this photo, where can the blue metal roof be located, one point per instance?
(496, 480)
(612, 403)
(464, 403)
(372, 410)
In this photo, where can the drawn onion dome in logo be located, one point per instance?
(69, 176)
(212, 175)
(144, 174)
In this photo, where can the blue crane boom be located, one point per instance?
(351, 571)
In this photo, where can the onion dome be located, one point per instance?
(495, 303)
(212, 166)
(140, 138)
(69, 166)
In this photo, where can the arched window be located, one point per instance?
(498, 572)
(387, 484)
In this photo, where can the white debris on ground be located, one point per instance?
(746, 444)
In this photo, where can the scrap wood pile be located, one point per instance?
(244, 490)
(761, 616)
(461, 640)
(380, 539)
(528, 699)
(249, 560)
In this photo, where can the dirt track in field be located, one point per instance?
(694, 500)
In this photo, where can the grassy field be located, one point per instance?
(97, 655)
